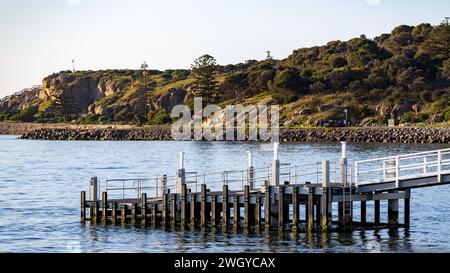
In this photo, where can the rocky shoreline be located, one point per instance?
(429, 135)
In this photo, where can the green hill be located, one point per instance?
(403, 75)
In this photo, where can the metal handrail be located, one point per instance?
(417, 163)
(294, 174)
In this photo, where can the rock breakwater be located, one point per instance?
(429, 135)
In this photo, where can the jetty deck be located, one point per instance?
(276, 197)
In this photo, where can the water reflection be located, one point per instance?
(41, 181)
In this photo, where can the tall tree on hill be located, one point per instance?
(142, 102)
(204, 71)
(438, 42)
(66, 106)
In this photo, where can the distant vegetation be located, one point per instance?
(404, 75)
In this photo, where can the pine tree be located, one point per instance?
(66, 106)
(204, 71)
(140, 106)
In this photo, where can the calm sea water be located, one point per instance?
(40, 182)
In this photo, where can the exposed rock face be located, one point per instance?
(84, 90)
(20, 100)
(172, 98)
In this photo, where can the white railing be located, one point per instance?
(236, 180)
(401, 167)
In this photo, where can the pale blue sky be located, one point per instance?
(38, 38)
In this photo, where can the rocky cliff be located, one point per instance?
(21, 100)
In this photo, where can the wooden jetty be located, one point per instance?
(281, 197)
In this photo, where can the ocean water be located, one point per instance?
(40, 184)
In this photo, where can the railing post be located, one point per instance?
(163, 186)
(343, 165)
(393, 203)
(275, 167)
(93, 189)
(325, 173)
(439, 169)
(425, 165)
(397, 171)
(181, 175)
(251, 172)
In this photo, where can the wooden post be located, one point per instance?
(407, 210)
(96, 216)
(225, 208)
(91, 211)
(154, 213)
(183, 205)
(83, 207)
(341, 219)
(377, 207)
(214, 211)
(114, 213)
(104, 208)
(281, 208)
(237, 212)
(326, 209)
(363, 212)
(164, 216)
(267, 208)
(325, 203)
(246, 207)
(310, 208)
(393, 212)
(295, 208)
(258, 212)
(318, 210)
(348, 215)
(173, 209)
(123, 216)
(203, 206)
(144, 209)
(133, 213)
(192, 206)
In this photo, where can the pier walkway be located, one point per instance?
(279, 196)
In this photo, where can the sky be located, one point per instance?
(38, 38)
